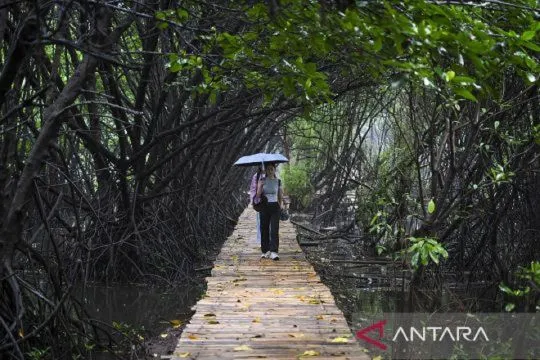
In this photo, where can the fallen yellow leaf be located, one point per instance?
(256, 320)
(213, 322)
(164, 335)
(377, 357)
(277, 291)
(184, 355)
(192, 337)
(242, 348)
(311, 353)
(296, 335)
(340, 340)
(209, 315)
(320, 317)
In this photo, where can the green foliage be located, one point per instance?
(532, 273)
(455, 50)
(526, 293)
(379, 225)
(499, 174)
(536, 134)
(431, 206)
(171, 16)
(38, 354)
(296, 182)
(380, 249)
(425, 249)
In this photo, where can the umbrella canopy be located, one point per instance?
(257, 159)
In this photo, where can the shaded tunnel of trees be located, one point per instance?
(478, 165)
(120, 122)
(112, 167)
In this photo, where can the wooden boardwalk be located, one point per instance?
(257, 308)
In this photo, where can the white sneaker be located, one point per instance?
(274, 256)
(266, 255)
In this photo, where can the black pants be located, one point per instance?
(270, 228)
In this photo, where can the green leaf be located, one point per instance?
(444, 253)
(378, 44)
(375, 218)
(528, 35)
(414, 259)
(414, 247)
(464, 93)
(161, 15)
(509, 307)
(532, 46)
(434, 257)
(182, 14)
(431, 206)
(175, 67)
(424, 256)
(449, 75)
(463, 79)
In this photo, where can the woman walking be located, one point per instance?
(270, 187)
(252, 198)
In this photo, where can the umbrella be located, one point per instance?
(257, 159)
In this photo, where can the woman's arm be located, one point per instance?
(280, 197)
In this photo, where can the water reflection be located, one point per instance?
(141, 307)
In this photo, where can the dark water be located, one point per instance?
(366, 291)
(144, 307)
(142, 310)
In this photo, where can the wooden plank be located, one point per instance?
(258, 308)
